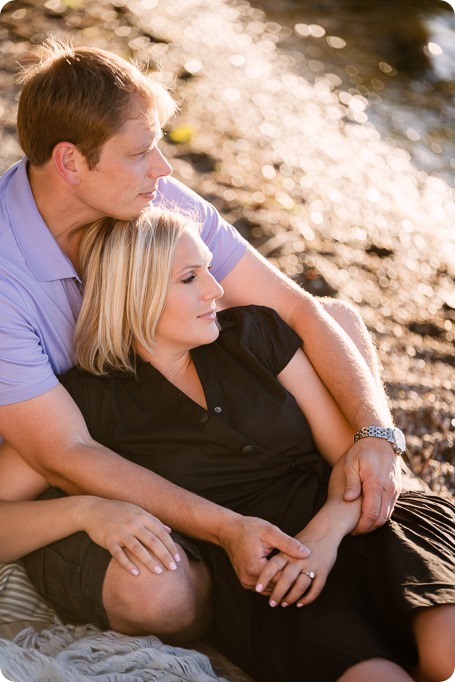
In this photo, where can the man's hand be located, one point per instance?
(248, 542)
(372, 469)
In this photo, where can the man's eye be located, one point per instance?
(141, 155)
(189, 279)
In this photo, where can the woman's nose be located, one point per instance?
(214, 289)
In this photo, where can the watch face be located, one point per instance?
(399, 439)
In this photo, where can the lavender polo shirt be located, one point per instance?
(39, 288)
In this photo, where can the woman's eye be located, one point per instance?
(189, 279)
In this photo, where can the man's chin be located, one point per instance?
(132, 215)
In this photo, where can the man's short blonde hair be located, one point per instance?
(83, 95)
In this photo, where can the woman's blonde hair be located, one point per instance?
(127, 267)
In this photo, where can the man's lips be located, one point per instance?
(151, 194)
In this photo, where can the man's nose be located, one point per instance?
(159, 166)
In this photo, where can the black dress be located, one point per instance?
(252, 451)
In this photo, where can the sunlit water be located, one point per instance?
(401, 59)
(305, 105)
(350, 145)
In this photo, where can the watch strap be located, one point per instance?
(379, 432)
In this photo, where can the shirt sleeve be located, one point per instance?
(223, 240)
(25, 371)
(266, 336)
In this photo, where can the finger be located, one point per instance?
(372, 512)
(290, 574)
(368, 518)
(266, 592)
(300, 587)
(154, 527)
(152, 541)
(273, 566)
(161, 546)
(288, 545)
(146, 558)
(353, 484)
(122, 558)
(313, 591)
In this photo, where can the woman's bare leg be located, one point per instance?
(175, 605)
(434, 630)
(375, 670)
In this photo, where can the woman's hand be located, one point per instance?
(291, 580)
(248, 541)
(288, 581)
(130, 534)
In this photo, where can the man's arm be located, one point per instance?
(372, 465)
(49, 432)
(27, 525)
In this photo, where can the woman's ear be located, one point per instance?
(67, 159)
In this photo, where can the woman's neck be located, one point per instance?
(179, 369)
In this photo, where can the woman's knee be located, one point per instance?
(434, 631)
(174, 605)
(375, 670)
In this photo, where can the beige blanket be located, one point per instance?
(47, 650)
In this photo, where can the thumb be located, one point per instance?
(352, 486)
(290, 546)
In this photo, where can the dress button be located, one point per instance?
(203, 418)
(247, 449)
(218, 409)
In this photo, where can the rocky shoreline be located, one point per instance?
(290, 159)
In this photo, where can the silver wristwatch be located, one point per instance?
(393, 435)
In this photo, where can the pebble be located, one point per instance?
(289, 157)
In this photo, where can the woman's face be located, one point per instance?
(189, 318)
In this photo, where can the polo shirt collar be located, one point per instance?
(42, 253)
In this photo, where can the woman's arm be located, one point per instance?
(285, 580)
(331, 431)
(371, 465)
(27, 525)
(116, 526)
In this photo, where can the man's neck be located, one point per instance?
(59, 210)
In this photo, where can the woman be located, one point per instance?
(228, 406)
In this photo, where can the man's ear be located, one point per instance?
(67, 160)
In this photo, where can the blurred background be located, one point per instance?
(324, 131)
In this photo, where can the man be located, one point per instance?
(89, 124)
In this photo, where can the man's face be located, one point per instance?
(125, 180)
